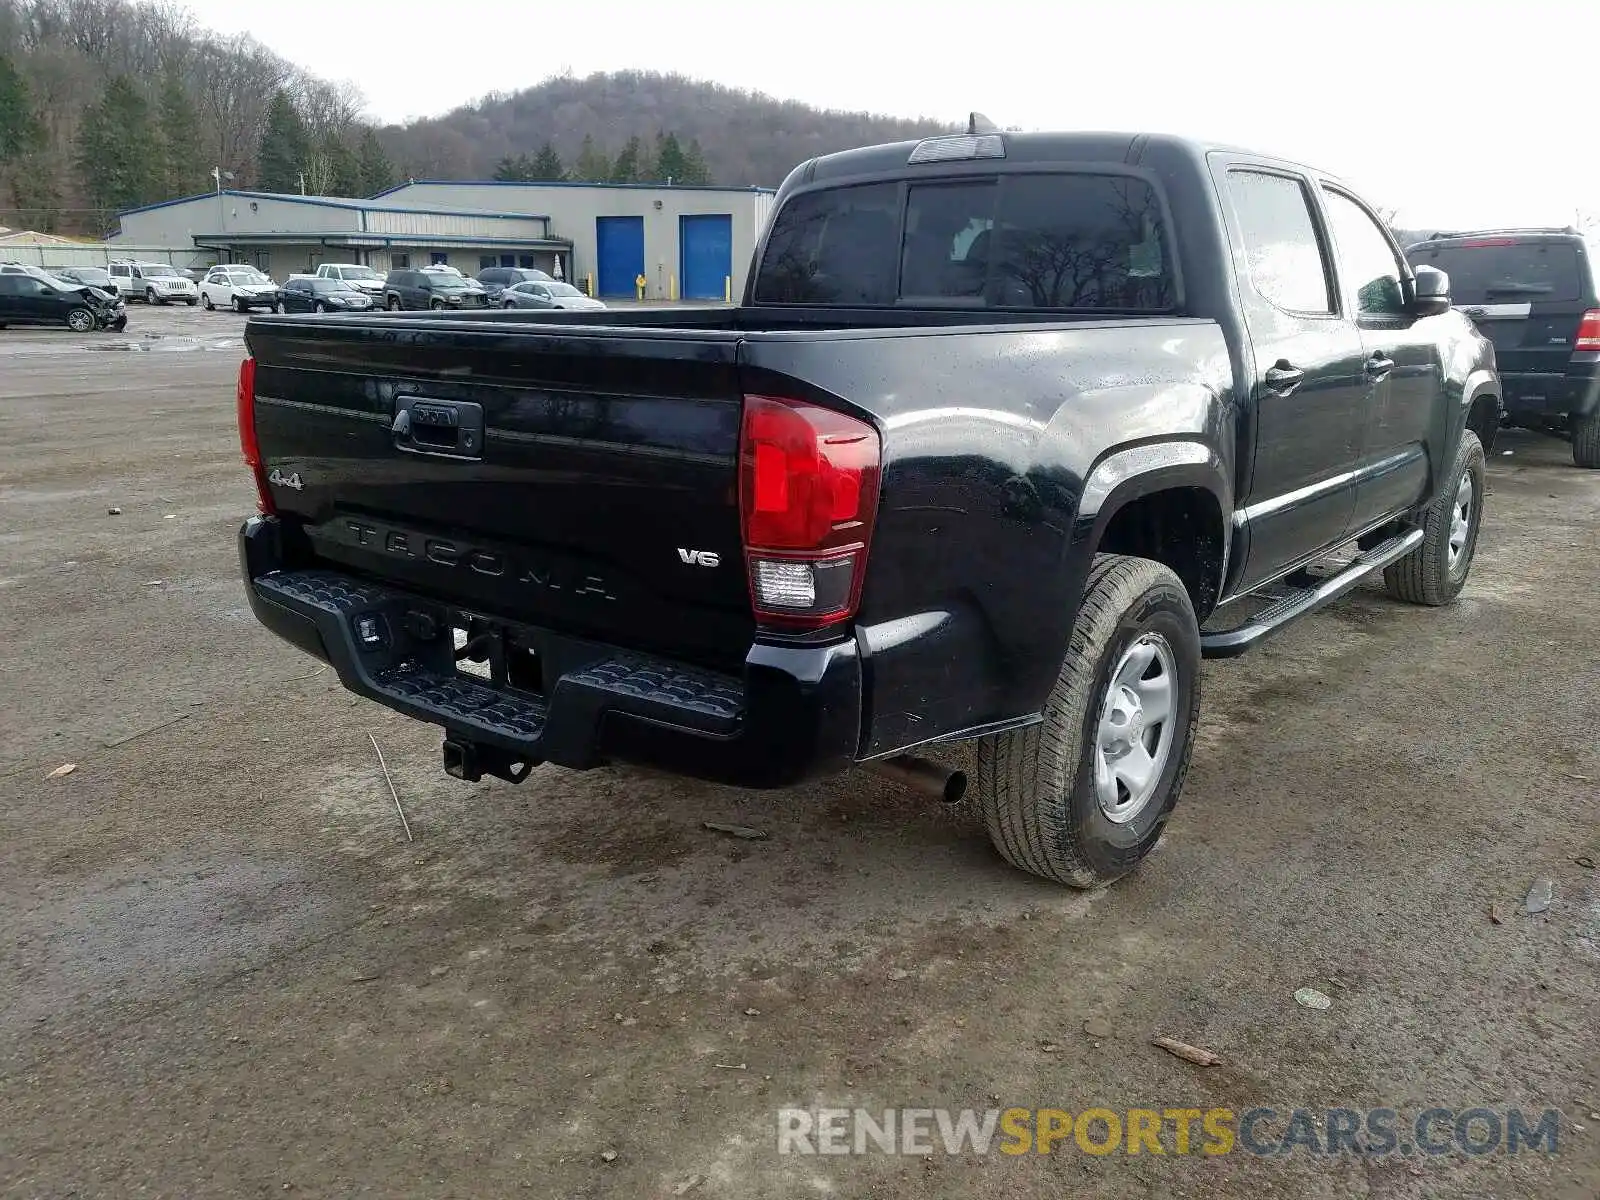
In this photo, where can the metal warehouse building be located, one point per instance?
(688, 242)
(695, 242)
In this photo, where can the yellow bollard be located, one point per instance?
(672, 287)
(727, 289)
(639, 285)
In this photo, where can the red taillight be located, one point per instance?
(1481, 243)
(808, 493)
(248, 446)
(1589, 332)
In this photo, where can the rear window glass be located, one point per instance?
(1501, 273)
(1058, 241)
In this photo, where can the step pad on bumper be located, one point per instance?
(466, 704)
(418, 676)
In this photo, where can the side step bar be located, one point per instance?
(1227, 643)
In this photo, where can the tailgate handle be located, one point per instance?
(450, 428)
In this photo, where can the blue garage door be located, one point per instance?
(707, 246)
(620, 244)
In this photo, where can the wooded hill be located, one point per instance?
(106, 104)
(587, 125)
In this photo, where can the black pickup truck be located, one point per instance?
(1008, 432)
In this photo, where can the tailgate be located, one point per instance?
(585, 480)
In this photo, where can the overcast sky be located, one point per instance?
(1456, 114)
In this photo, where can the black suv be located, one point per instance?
(497, 279)
(44, 300)
(1532, 292)
(431, 289)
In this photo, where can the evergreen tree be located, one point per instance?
(373, 169)
(512, 170)
(592, 165)
(182, 170)
(119, 150)
(695, 171)
(35, 195)
(285, 148)
(546, 166)
(20, 130)
(629, 167)
(343, 167)
(671, 162)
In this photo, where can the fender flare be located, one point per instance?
(1480, 382)
(1126, 474)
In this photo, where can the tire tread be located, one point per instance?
(1024, 778)
(1422, 577)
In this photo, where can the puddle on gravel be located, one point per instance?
(137, 930)
(162, 344)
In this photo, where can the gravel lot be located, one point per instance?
(224, 971)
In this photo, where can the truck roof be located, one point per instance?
(1101, 147)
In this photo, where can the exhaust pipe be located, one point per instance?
(923, 776)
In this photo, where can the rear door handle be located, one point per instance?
(1379, 366)
(1283, 378)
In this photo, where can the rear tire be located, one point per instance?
(1052, 796)
(1436, 571)
(1586, 441)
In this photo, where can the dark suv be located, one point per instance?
(1533, 293)
(497, 279)
(432, 289)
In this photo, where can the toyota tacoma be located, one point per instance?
(1009, 431)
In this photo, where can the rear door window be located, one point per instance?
(1506, 271)
(1032, 241)
(833, 247)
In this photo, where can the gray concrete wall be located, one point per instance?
(99, 254)
(232, 213)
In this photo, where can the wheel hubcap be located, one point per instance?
(1136, 729)
(1460, 520)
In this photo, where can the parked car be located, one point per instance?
(17, 268)
(97, 277)
(238, 287)
(1009, 431)
(547, 295)
(524, 295)
(496, 279)
(364, 278)
(154, 283)
(315, 294)
(414, 289)
(39, 299)
(1535, 295)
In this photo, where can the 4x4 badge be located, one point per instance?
(291, 480)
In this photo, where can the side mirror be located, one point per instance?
(1430, 294)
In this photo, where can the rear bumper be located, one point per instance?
(1536, 394)
(794, 713)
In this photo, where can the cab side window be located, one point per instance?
(1280, 241)
(1368, 265)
